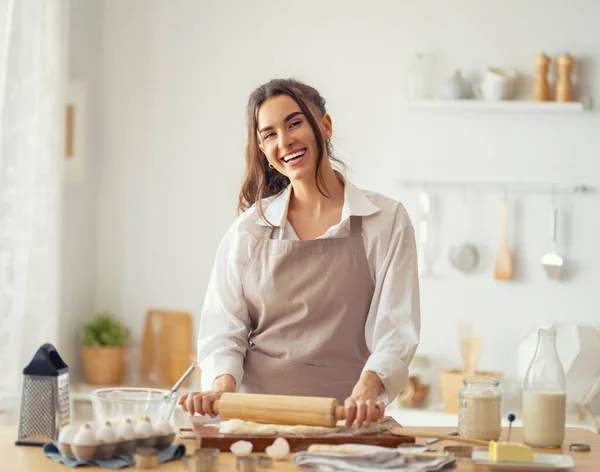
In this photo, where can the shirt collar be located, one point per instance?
(356, 203)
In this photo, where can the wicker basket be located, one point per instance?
(103, 365)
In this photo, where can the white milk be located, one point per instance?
(544, 417)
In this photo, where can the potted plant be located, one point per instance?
(104, 340)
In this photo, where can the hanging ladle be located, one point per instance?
(551, 261)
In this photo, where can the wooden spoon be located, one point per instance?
(420, 433)
(504, 263)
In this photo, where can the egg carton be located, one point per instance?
(90, 442)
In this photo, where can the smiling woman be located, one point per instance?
(292, 110)
(314, 290)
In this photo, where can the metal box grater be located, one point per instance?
(45, 407)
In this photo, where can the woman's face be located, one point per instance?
(286, 137)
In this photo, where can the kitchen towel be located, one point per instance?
(176, 451)
(373, 459)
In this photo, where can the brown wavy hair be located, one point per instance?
(261, 181)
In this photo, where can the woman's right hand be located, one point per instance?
(201, 402)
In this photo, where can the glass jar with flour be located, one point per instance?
(479, 408)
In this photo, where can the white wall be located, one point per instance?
(80, 198)
(176, 78)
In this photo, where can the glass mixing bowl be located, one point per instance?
(110, 404)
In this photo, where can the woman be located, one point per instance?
(314, 290)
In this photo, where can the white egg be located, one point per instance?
(126, 430)
(85, 436)
(241, 448)
(280, 449)
(143, 429)
(162, 427)
(67, 434)
(105, 433)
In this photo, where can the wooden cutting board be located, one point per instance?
(210, 437)
(172, 347)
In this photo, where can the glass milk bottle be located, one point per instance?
(544, 395)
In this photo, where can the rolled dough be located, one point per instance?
(237, 426)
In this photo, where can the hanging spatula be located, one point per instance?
(504, 264)
(551, 261)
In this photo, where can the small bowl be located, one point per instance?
(164, 441)
(66, 450)
(84, 453)
(264, 462)
(111, 403)
(211, 452)
(146, 458)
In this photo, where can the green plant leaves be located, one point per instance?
(105, 330)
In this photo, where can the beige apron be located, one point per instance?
(308, 303)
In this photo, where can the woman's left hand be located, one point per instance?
(362, 406)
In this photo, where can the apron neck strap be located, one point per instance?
(355, 225)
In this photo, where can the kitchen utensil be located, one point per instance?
(464, 256)
(279, 409)
(464, 452)
(420, 433)
(172, 346)
(551, 261)
(45, 407)
(504, 263)
(469, 350)
(434, 440)
(497, 84)
(456, 87)
(564, 84)
(425, 268)
(181, 380)
(111, 403)
(470, 346)
(541, 87)
(211, 437)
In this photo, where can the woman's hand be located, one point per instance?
(362, 406)
(201, 402)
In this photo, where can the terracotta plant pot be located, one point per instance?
(103, 365)
(451, 381)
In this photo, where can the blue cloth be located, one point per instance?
(51, 450)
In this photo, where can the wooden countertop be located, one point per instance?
(31, 459)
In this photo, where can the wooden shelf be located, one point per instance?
(508, 105)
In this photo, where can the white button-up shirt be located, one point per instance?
(393, 323)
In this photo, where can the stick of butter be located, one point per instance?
(501, 451)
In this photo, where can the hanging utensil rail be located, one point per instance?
(498, 187)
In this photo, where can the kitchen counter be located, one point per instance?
(31, 459)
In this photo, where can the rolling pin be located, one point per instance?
(279, 409)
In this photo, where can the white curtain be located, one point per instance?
(33, 77)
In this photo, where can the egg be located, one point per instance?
(162, 427)
(126, 430)
(280, 449)
(105, 433)
(143, 429)
(85, 436)
(67, 434)
(241, 448)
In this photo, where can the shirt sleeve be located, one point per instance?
(224, 321)
(394, 322)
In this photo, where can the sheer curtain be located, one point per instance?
(33, 77)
